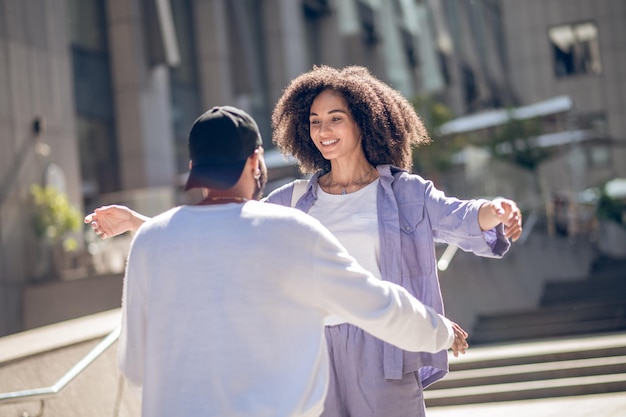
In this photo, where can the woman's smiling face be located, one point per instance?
(332, 128)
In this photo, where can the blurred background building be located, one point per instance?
(524, 99)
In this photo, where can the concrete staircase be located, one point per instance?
(596, 304)
(573, 344)
(533, 370)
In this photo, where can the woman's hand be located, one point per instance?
(109, 221)
(504, 211)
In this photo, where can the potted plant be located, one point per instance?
(54, 220)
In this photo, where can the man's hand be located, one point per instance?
(109, 221)
(460, 344)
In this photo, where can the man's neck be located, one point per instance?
(221, 199)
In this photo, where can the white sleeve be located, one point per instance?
(131, 342)
(381, 308)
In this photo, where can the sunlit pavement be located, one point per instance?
(598, 405)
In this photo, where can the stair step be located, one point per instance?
(588, 289)
(529, 352)
(567, 308)
(525, 355)
(534, 372)
(526, 390)
(609, 273)
(541, 331)
(563, 313)
(610, 265)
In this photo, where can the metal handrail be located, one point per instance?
(53, 390)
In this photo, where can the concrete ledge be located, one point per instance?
(55, 336)
(59, 300)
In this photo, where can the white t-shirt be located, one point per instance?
(353, 219)
(224, 307)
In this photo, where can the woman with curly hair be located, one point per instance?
(354, 134)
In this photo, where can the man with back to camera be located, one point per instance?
(224, 301)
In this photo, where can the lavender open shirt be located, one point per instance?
(412, 216)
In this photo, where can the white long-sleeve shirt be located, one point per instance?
(224, 308)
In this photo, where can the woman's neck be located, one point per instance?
(343, 179)
(350, 172)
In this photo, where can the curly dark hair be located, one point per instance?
(388, 122)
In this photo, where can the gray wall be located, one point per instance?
(35, 84)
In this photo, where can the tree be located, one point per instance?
(516, 141)
(437, 155)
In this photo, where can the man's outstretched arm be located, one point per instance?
(109, 221)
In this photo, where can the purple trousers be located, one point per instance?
(357, 386)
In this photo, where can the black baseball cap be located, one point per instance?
(220, 142)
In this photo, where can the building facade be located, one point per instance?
(97, 96)
(559, 64)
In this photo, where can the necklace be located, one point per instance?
(363, 180)
(233, 199)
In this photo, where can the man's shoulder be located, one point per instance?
(165, 216)
(283, 215)
(157, 222)
(279, 211)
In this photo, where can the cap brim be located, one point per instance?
(222, 176)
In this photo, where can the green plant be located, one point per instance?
(612, 207)
(435, 156)
(54, 216)
(515, 141)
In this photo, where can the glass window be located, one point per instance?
(367, 17)
(313, 8)
(87, 24)
(93, 97)
(184, 85)
(98, 160)
(576, 49)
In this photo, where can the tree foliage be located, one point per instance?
(516, 141)
(437, 155)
